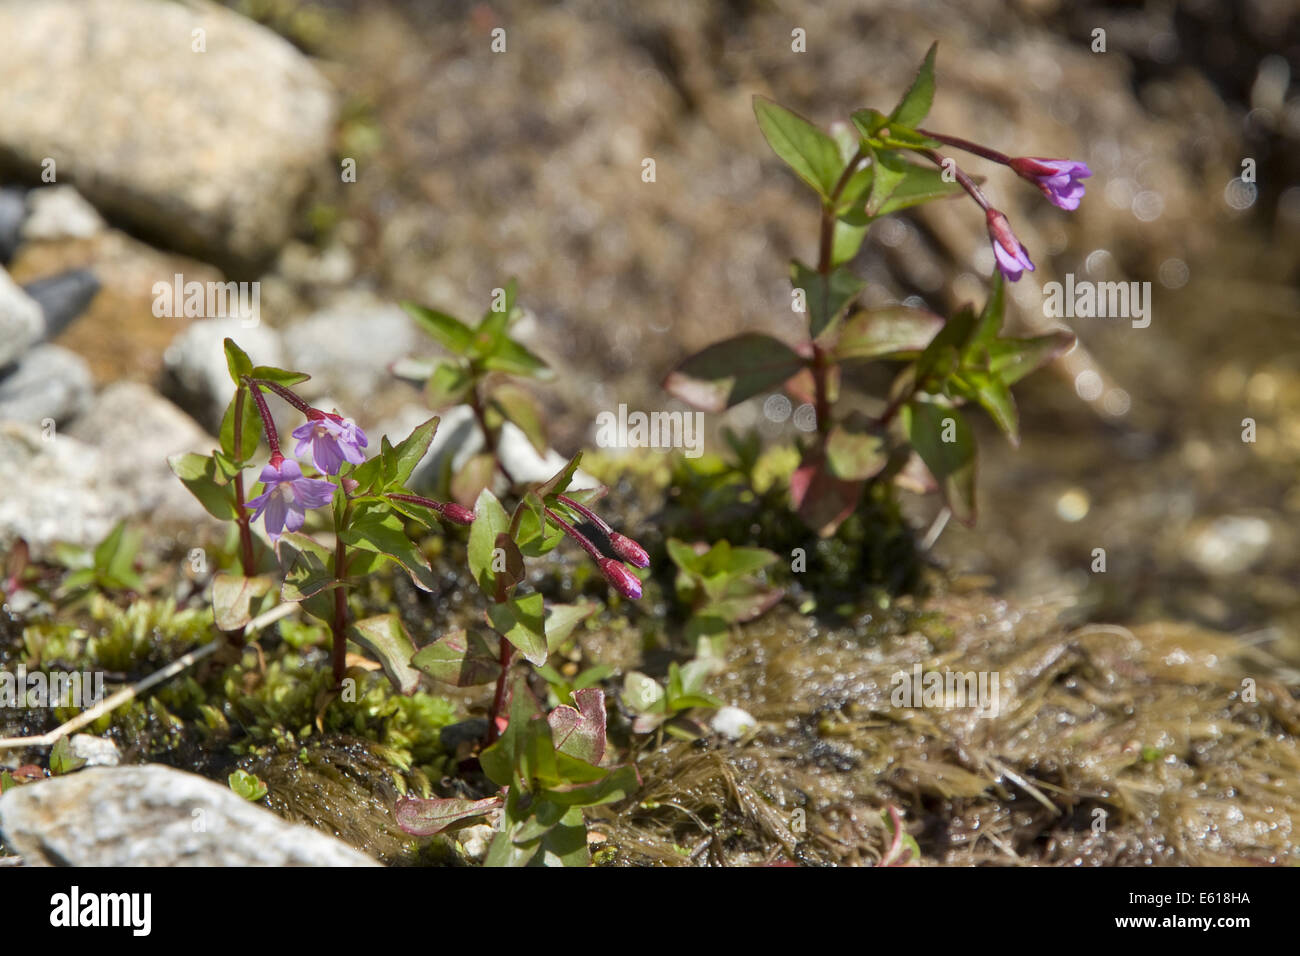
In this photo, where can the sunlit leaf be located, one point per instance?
(731, 371)
(807, 150)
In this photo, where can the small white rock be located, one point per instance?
(733, 723)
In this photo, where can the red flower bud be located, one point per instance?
(629, 550)
(620, 578)
(454, 512)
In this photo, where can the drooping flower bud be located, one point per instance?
(1011, 256)
(457, 514)
(1059, 179)
(629, 550)
(620, 578)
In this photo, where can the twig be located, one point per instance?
(129, 693)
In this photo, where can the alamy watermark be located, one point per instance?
(638, 429)
(179, 299)
(39, 690)
(949, 690)
(1102, 300)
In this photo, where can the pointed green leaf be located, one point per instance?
(811, 153)
(952, 462)
(896, 332)
(460, 657)
(913, 108)
(825, 297)
(731, 371)
(520, 620)
(385, 637)
(449, 332)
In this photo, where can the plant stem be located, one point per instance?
(587, 513)
(499, 698)
(825, 266)
(969, 147)
(576, 535)
(268, 423)
(284, 393)
(489, 438)
(338, 626)
(241, 512)
(967, 183)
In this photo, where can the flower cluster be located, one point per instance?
(1060, 180)
(625, 551)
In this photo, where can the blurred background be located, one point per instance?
(347, 155)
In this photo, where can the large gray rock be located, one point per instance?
(110, 464)
(48, 382)
(348, 348)
(136, 430)
(156, 816)
(211, 150)
(55, 490)
(21, 322)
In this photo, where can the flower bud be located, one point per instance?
(455, 513)
(620, 578)
(629, 550)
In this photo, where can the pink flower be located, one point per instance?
(333, 440)
(1012, 258)
(1059, 179)
(288, 495)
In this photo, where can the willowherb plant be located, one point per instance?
(480, 361)
(918, 438)
(368, 505)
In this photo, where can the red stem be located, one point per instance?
(268, 423)
(499, 699)
(969, 147)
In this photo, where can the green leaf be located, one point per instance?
(995, 397)
(400, 462)
(520, 620)
(498, 761)
(199, 474)
(913, 108)
(822, 501)
(919, 184)
(825, 297)
(891, 170)
(311, 567)
(459, 657)
(811, 153)
(512, 358)
(896, 332)
(490, 520)
(232, 598)
(617, 785)
(516, 405)
(536, 536)
(448, 384)
(451, 333)
(848, 236)
(237, 361)
(1013, 359)
(558, 483)
(951, 462)
(854, 452)
(943, 355)
(580, 731)
(642, 694)
(729, 372)
(385, 637)
(62, 759)
(989, 323)
(561, 619)
(279, 376)
(247, 785)
(473, 478)
(375, 526)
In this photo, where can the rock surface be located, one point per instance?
(197, 375)
(21, 323)
(155, 816)
(47, 383)
(209, 133)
